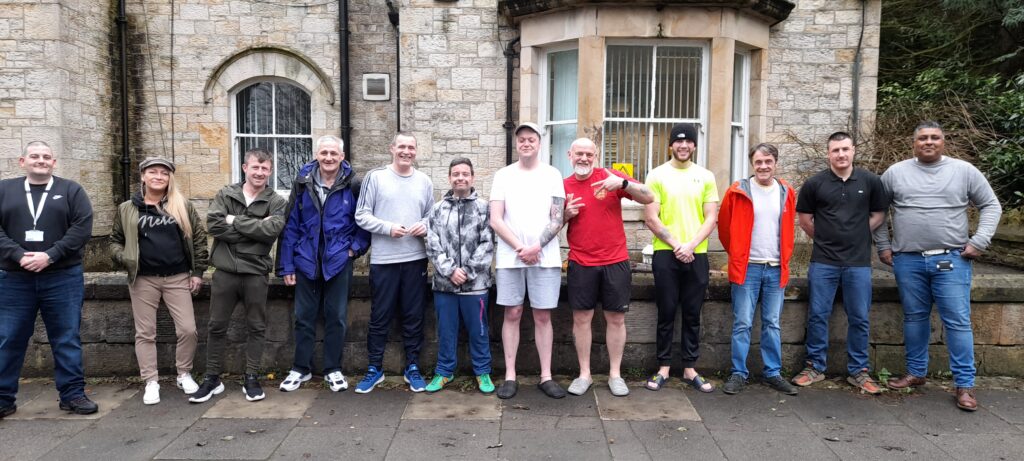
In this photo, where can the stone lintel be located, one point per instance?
(770, 10)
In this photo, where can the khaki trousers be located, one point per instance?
(146, 294)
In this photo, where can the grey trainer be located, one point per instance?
(579, 386)
(618, 387)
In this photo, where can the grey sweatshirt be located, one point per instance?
(388, 199)
(929, 206)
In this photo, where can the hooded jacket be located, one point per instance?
(243, 247)
(736, 222)
(316, 237)
(124, 239)
(459, 235)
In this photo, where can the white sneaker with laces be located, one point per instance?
(294, 380)
(336, 381)
(187, 384)
(152, 394)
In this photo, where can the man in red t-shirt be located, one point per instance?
(598, 259)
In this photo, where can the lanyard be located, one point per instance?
(36, 213)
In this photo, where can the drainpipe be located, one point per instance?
(509, 125)
(393, 18)
(126, 160)
(855, 86)
(346, 116)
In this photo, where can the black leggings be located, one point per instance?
(679, 286)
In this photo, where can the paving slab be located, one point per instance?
(30, 389)
(560, 444)
(934, 412)
(119, 442)
(982, 446)
(759, 446)
(670, 439)
(753, 410)
(378, 409)
(840, 406)
(623, 443)
(277, 405)
(335, 443)
(1008, 405)
(445, 439)
(668, 404)
(47, 406)
(862, 441)
(172, 412)
(453, 405)
(532, 400)
(229, 438)
(23, 440)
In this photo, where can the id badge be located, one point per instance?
(34, 236)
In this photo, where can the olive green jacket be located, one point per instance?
(243, 247)
(124, 240)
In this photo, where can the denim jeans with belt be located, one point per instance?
(823, 280)
(762, 282)
(57, 296)
(943, 280)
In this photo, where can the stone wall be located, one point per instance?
(56, 83)
(997, 314)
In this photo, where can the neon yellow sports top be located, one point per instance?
(681, 194)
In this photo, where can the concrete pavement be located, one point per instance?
(828, 421)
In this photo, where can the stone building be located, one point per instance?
(203, 79)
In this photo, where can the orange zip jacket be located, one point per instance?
(736, 222)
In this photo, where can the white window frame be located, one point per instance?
(542, 100)
(740, 162)
(236, 154)
(702, 145)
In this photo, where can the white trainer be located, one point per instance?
(152, 394)
(294, 380)
(336, 381)
(187, 384)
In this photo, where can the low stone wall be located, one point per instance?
(997, 313)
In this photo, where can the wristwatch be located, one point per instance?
(625, 183)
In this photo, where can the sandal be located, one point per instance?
(655, 382)
(698, 383)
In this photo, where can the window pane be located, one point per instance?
(678, 82)
(292, 153)
(562, 137)
(740, 163)
(245, 143)
(292, 105)
(563, 82)
(254, 109)
(738, 85)
(628, 81)
(630, 142)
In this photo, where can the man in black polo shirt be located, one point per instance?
(838, 208)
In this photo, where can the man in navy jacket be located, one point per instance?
(319, 244)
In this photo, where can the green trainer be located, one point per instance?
(484, 381)
(438, 383)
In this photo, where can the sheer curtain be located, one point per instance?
(563, 71)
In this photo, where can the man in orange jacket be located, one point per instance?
(756, 227)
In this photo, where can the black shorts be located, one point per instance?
(610, 284)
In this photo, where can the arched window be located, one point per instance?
(274, 115)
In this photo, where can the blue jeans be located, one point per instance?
(823, 280)
(922, 282)
(471, 312)
(310, 297)
(57, 296)
(762, 282)
(397, 289)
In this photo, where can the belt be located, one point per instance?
(939, 251)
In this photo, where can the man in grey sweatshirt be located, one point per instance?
(931, 253)
(393, 206)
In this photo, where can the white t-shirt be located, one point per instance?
(528, 196)
(764, 240)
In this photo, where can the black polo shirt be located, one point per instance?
(841, 209)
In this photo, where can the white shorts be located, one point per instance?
(542, 283)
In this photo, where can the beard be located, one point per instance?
(582, 170)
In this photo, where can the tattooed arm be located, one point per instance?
(531, 254)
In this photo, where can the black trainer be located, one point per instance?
(80, 406)
(8, 410)
(210, 387)
(776, 382)
(251, 386)
(734, 384)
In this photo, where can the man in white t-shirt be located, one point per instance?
(527, 201)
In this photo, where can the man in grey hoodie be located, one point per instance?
(932, 251)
